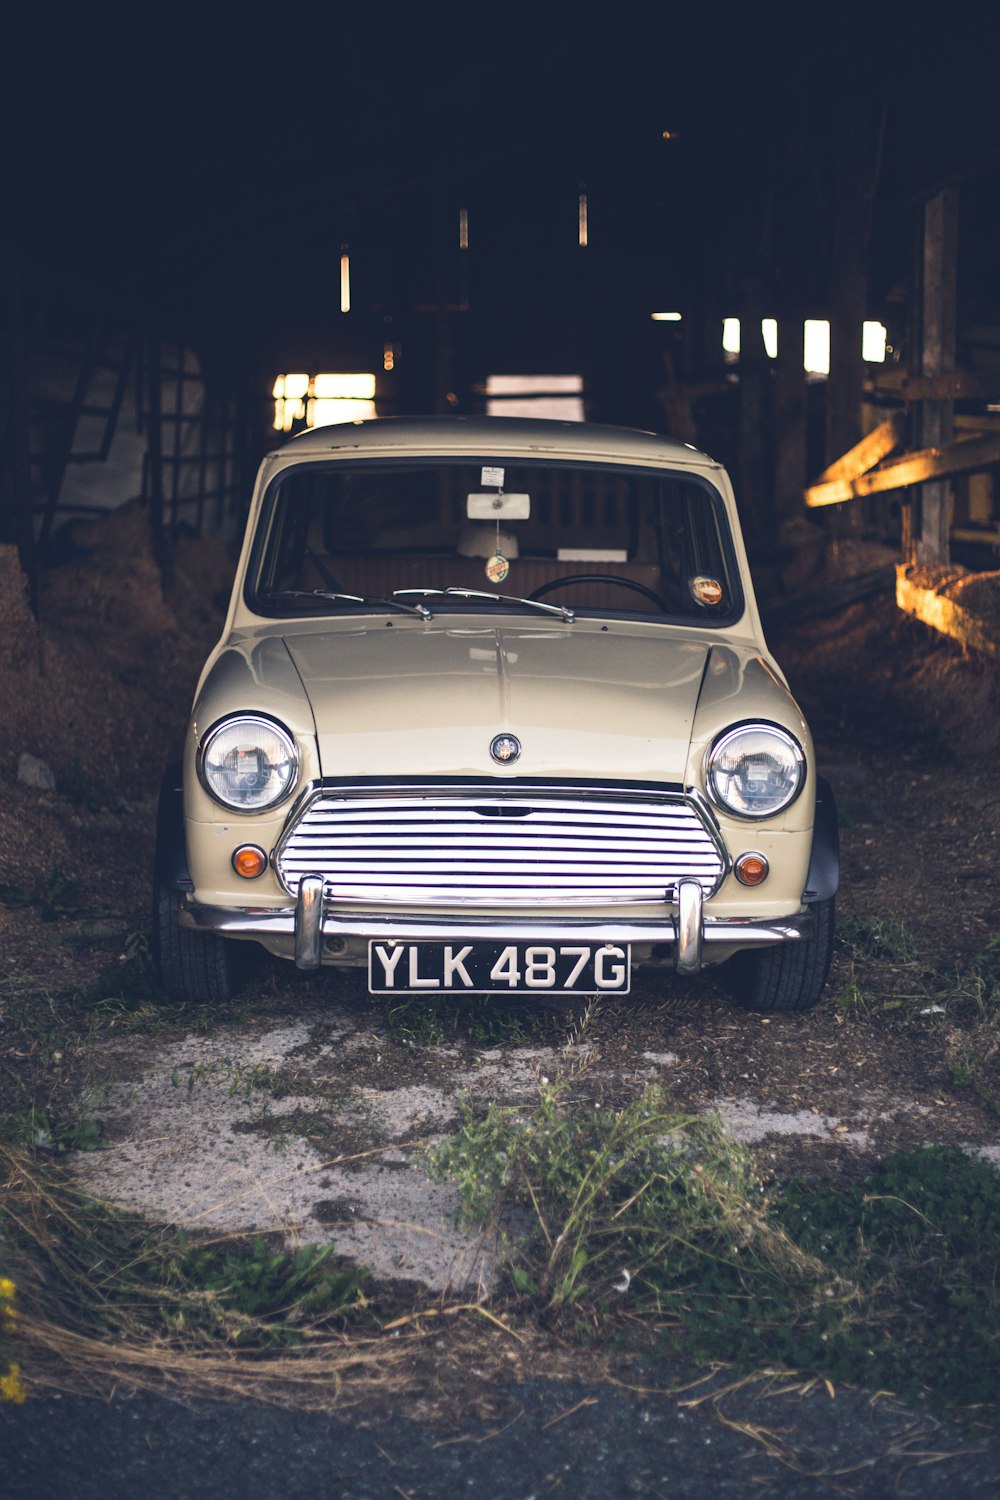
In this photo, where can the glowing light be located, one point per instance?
(769, 330)
(287, 412)
(559, 397)
(582, 220)
(359, 387)
(873, 342)
(326, 413)
(817, 346)
(463, 229)
(527, 385)
(345, 280)
(320, 400)
(388, 357)
(731, 335)
(665, 317)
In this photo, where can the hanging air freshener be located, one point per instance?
(497, 567)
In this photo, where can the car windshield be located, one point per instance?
(584, 538)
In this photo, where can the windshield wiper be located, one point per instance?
(562, 610)
(410, 609)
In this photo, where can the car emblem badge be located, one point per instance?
(505, 748)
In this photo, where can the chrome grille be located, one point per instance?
(462, 846)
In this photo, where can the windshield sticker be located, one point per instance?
(706, 591)
(493, 477)
(497, 568)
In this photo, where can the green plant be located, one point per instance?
(98, 1273)
(644, 1196)
(884, 939)
(36, 1128)
(921, 1236)
(484, 1022)
(893, 1283)
(852, 1000)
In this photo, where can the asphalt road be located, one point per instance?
(586, 1441)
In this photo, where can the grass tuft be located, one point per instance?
(105, 1294)
(652, 1220)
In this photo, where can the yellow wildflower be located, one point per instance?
(12, 1387)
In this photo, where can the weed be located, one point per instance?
(35, 1127)
(97, 1271)
(654, 1215)
(884, 939)
(128, 983)
(481, 1021)
(239, 1080)
(852, 1000)
(643, 1194)
(922, 1238)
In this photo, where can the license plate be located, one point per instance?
(498, 968)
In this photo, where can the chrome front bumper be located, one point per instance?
(687, 927)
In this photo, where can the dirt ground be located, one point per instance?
(310, 1095)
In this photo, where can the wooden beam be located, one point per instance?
(966, 457)
(964, 385)
(947, 614)
(870, 451)
(977, 421)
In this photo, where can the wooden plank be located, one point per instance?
(977, 421)
(944, 614)
(964, 457)
(967, 385)
(870, 451)
(976, 534)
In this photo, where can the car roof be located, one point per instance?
(484, 435)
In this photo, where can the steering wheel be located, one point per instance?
(625, 583)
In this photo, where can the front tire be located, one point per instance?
(789, 976)
(193, 966)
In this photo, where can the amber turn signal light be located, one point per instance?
(751, 869)
(249, 861)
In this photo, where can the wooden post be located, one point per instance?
(935, 355)
(790, 397)
(848, 288)
(754, 478)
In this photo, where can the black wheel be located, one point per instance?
(195, 966)
(625, 583)
(789, 976)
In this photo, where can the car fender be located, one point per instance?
(171, 863)
(824, 862)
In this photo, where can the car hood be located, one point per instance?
(415, 700)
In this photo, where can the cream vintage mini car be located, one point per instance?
(492, 712)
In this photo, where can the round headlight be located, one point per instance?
(755, 771)
(248, 763)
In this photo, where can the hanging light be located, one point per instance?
(582, 217)
(463, 229)
(345, 279)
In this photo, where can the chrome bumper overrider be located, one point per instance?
(310, 925)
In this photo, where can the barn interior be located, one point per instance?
(778, 246)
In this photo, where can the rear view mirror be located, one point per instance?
(491, 505)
